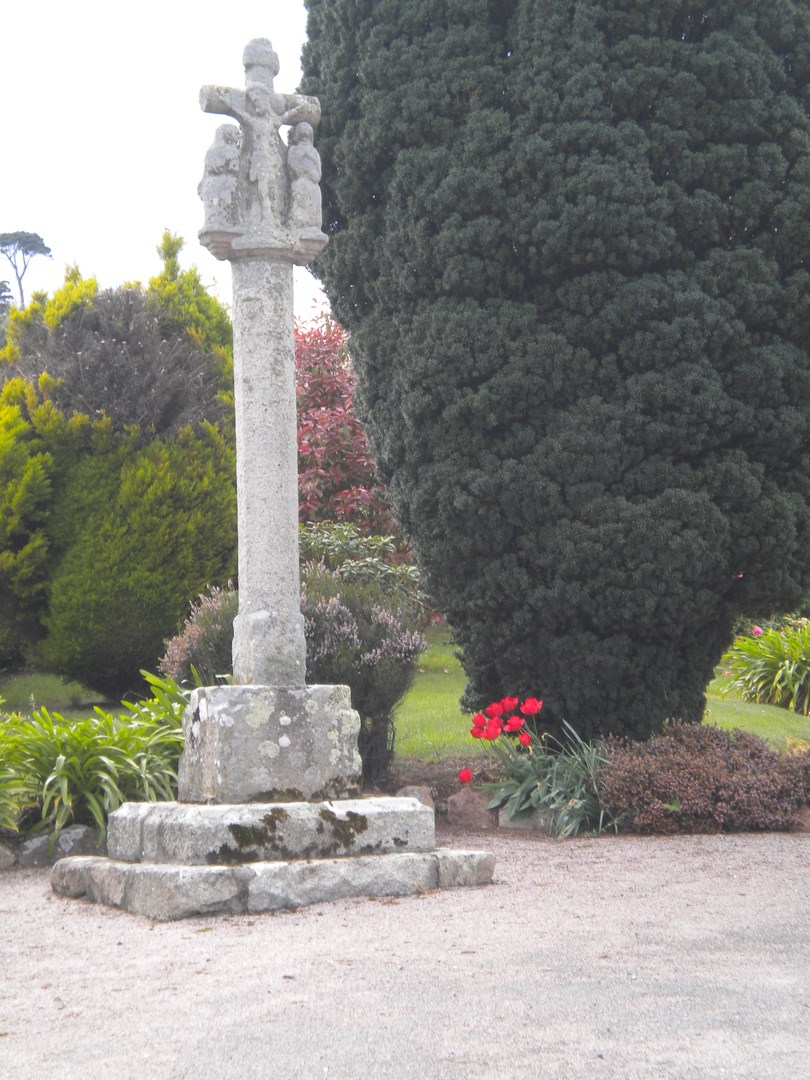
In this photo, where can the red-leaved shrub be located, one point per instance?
(696, 778)
(337, 477)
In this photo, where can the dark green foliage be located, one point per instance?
(569, 242)
(150, 527)
(696, 778)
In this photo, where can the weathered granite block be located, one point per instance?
(285, 885)
(269, 744)
(168, 891)
(186, 833)
(460, 868)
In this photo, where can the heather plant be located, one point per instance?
(357, 632)
(701, 779)
(54, 771)
(204, 644)
(356, 635)
(770, 666)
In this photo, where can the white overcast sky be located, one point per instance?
(103, 139)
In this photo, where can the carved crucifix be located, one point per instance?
(254, 197)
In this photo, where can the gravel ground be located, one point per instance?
(620, 957)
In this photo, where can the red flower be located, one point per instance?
(524, 738)
(531, 706)
(495, 709)
(514, 723)
(479, 720)
(465, 776)
(491, 732)
(509, 703)
(477, 732)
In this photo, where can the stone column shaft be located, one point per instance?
(268, 646)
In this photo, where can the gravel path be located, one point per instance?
(619, 957)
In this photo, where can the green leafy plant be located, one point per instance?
(770, 667)
(697, 778)
(54, 772)
(342, 547)
(558, 780)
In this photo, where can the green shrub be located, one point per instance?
(54, 772)
(771, 667)
(700, 779)
(153, 532)
(577, 292)
(342, 547)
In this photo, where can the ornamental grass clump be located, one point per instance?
(697, 778)
(770, 667)
(559, 780)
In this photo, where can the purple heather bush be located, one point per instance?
(357, 634)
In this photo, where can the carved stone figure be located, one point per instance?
(263, 190)
(219, 191)
(304, 167)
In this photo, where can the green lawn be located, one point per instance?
(430, 725)
(428, 721)
(29, 690)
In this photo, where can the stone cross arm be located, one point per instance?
(293, 108)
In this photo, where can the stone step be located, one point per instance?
(228, 835)
(163, 892)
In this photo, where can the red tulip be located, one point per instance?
(495, 709)
(465, 776)
(509, 703)
(514, 723)
(524, 738)
(531, 706)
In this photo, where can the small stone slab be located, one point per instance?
(43, 850)
(164, 892)
(266, 744)
(258, 832)
(8, 856)
(468, 809)
(533, 820)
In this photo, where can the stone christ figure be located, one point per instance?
(264, 179)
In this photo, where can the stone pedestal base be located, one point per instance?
(170, 860)
(247, 744)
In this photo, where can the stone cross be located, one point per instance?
(262, 213)
(267, 814)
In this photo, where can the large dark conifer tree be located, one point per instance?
(570, 241)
